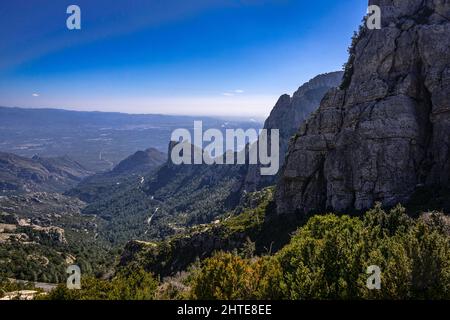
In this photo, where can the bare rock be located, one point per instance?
(388, 130)
(287, 116)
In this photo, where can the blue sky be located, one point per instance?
(198, 57)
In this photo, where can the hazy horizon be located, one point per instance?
(218, 117)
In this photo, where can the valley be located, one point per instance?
(363, 184)
(96, 140)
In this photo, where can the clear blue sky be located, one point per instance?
(208, 57)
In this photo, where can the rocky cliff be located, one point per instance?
(386, 131)
(287, 116)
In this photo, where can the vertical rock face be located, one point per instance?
(387, 129)
(290, 112)
(287, 116)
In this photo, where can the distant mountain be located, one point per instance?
(200, 191)
(287, 116)
(162, 202)
(22, 175)
(135, 168)
(141, 161)
(97, 140)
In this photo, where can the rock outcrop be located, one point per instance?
(386, 131)
(287, 116)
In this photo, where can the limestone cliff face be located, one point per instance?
(387, 129)
(287, 116)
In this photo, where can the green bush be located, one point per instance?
(226, 276)
(128, 284)
(328, 257)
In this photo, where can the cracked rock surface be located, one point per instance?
(387, 130)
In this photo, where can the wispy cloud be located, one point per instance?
(233, 93)
(35, 94)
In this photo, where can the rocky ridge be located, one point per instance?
(287, 116)
(22, 175)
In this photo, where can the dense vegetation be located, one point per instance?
(174, 198)
(48, 262)
(327, 258)
(177, 252)
(127, 284)
(47, 233)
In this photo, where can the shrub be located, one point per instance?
(328, 257)
(226, 276)
(128, 284)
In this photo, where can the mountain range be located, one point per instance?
(96, 140)
(21, 175)
(356, 143)
(380, 136)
